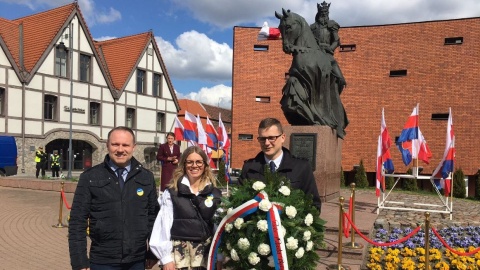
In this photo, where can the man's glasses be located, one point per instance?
(271, 139)
(198, 163)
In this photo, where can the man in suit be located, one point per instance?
(168, 154)
(280, 160)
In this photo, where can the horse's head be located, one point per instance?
(292, 26)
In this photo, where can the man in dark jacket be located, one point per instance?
(279, 159)
(117, 200)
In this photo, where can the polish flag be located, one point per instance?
(223, 138)
(384, 160)
(178, 129)
(212, 136)
(202, 135)
(190, 125)
(268, 32)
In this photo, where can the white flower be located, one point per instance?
(292, 243)
(229, 246)
(238, 223)
(291, 211)
(253, 258)
(262, 225)
(299, 253)
(229, 210)
(234, 255)
(309, 220)
(258, 185)
(307, 235)
(228, 227)
(263, 249)
(243, 243)
(265, 205)
(284, 190)
(309, 246)
(271, 262)
(283, 231)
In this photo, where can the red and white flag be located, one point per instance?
(268, 32)
(178, 129)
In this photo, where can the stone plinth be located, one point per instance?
(328, 158)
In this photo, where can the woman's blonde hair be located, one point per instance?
(180, 171)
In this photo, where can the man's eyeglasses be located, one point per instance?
(271, 139)
(198, 163)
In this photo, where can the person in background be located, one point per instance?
(183, 229)
(117, 200)
(55, 159)
(41, 161)
(280, 160)
(168, 154)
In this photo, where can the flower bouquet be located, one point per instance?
(268, 225)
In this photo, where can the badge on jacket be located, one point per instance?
(209, 201)
(139, 191)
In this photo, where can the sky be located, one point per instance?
(195, 37)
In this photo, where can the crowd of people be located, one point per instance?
(135, 225)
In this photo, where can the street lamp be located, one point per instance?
(61, 48)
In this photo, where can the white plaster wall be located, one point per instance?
(161, 104)
(165, 89)
(131, 83)
(107, 95)
(171, 106)
(156, 63)
(33, 105)
(169, 120)
(147, 101)
(13, 78)
(3, 59)
(76, 117)
(149, 79)
(33, 127)
(147, 119)
(2, 125)
(84, 45)
(51, 84)
(97, 74)
(131, 100)
(121, 111)
(107, 112)
(80, 90)
(14, 126)
(145, 137)
(93, 129)
(14, 102)
(65, 86)
(48, 65)
(95, 92)
(143, 61)
(3, 77)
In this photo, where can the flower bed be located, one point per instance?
(250, 234)
(410, 254)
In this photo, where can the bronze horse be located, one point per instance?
(310, 95)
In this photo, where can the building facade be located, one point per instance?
(435, 64)
(49, 60)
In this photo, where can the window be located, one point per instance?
(130, 119)
(2, 100)
(454, 41)
(260, 48)
(398, 73)
(245, 137)
(50, 108)
(157, 85)
(160, 121)
(85, 63)
(140, 81)
(262, 99)
(439, 116)
(61, 62)
(348, 48)
(94, 113)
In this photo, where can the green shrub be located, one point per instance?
(410, 184)
(221, 173)
(361, 180)
(389, 181)
(342, 177)
(459, 184)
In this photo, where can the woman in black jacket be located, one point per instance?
(184, 226)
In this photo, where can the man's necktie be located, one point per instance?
(121, 182)
(272, 166)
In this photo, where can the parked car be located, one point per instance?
(8, 156)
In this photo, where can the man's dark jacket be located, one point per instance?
(121, 221)
(297, 170)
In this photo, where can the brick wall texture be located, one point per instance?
(439, 76)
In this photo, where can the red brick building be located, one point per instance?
(435, 64)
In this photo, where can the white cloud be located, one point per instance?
(197, 57)
(218, 96)
(108, 17)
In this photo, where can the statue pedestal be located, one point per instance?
(327, 162)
